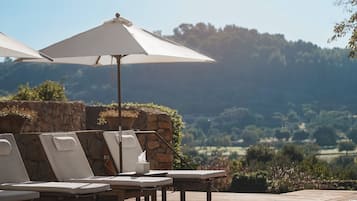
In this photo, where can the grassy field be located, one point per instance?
(324, 154)
(226, 150)
(330, 154)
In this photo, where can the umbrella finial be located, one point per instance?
(117, 15)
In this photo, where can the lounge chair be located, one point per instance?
(70, 164)
(13, 176)
(18, 195)
(183, 180)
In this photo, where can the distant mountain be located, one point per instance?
(262, 72)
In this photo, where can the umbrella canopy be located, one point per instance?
(118, 41)
(11, 48)
(116, 37)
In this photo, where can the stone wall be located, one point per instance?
(75, 116)
(51, 115)
(149, 119)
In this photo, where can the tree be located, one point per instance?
(300, 135)
(282, 135)
(250, 135)
(346, 146)
(203, 123)
(292, 152)
(325, 136)
(348, 26)
(259, 153)
(250, 138)
(353, 135)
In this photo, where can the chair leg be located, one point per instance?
(209, 191)
(137, 198)
(163, 193)
(182, 195)
(209, 196)
(120, 197)
(153, 196)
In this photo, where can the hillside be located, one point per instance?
(262, 72)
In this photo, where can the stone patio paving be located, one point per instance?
(305, 195)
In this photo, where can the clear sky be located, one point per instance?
(39, 23)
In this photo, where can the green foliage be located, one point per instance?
(25, 92)
(259, 154)
(251, 134)
(203, 123)
(260, 72)
(353, 135)
(322, 127)
(325, 136)
(235, 117)
(346, 146)
(46, 91)
(316, 168)
(249, 138)
(292, 152)
(282, 134)
(252, 183)
(348, 26)
(286, 169)
(345, 168)
(300, 135)
(51, 91)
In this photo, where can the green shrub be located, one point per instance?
(300, 135)
(346, 146)
(25, 92)
(46, 91)
(325, 136)
(292, 152)
(259, 153)
(252, 183)
(51, 91)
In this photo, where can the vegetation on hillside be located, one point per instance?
(263, 89)
(309, 123)
(262, 72)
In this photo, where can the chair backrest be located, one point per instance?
(131, 148)
(66, 156)
(12, 168)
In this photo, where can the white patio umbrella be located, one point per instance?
(12, 48)
(118, 41)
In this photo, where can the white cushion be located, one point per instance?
(64, 143)
(68, 164)
(13, 176)
(128, 140)
(5, 147)
(12, 168)
(131, 148)
(18, 195)
(58, 187)
(136, 182)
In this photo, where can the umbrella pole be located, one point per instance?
(119, 115)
